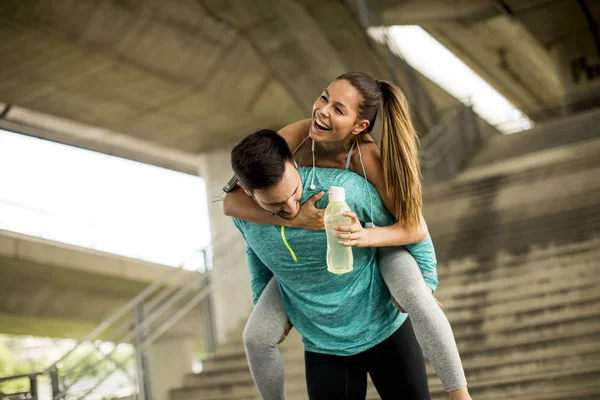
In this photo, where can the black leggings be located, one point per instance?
(396, 367)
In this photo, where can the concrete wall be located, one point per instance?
(169, 361)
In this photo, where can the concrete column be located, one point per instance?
(231, 296)
(170, 359)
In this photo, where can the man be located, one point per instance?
(349, 325)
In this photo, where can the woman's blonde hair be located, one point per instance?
(399, 144)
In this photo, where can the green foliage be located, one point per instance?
(10, 366)
(85, 361)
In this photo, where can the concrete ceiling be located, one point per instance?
(161, 82)
(524, 48)
(185, 75)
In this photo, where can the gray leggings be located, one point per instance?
(405, 282)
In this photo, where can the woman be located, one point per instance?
(338, 132)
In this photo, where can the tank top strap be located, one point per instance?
(303, 150)
(350, 155)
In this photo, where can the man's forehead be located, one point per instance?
(289, 185)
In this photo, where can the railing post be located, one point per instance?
(33, 387)
(142, 357)
(55, 384)
(208, 311)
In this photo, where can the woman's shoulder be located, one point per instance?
(370, 154)
(295, 132)
(371, 167)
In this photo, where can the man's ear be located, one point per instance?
(249, 193)
(361, 126)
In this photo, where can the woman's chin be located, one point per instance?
(319, 136)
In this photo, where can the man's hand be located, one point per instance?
(286, 331)
(399, 307)
(310, 217)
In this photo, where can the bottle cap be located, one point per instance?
(337, 193)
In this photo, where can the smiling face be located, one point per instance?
(336, 113)
(283, 198)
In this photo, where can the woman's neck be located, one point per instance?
(334, 149)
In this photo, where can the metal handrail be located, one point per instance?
(157, 333)
(181, 292)
(434, 150)
(15, 377)
(159, 305)
(142, 327)
(450, 145)
(33, 385)
(129, 306)
(144, 345)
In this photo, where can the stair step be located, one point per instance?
(555, 133)
(458, 192)
(556, 162)
(449, 269)
(503, 277)
(513, 206)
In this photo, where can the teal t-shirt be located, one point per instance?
(335, 314)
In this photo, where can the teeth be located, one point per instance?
(321, 124)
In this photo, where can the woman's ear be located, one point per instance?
(360, 126)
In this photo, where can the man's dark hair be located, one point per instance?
(259, 159)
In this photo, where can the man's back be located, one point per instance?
(336, 314)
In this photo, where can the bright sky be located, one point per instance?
(99, 201)
(433, 60)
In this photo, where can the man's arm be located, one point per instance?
(260, 275)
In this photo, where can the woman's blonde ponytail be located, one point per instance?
(400, 157)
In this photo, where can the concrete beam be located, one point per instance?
(435, 11)
(44, 126)
(54, 327)
(496, 51)
(54, 289)
(531, 53)
(47, 252)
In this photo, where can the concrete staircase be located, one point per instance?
(518, 239)
(551, 134)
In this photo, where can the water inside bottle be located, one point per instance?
(339, 258)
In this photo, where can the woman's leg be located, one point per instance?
(432, 329)
(261, 335)
(397, 366)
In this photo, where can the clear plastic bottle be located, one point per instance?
(339, 258)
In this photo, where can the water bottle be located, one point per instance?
(339, 258)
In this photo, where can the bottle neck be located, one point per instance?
(336, 198)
